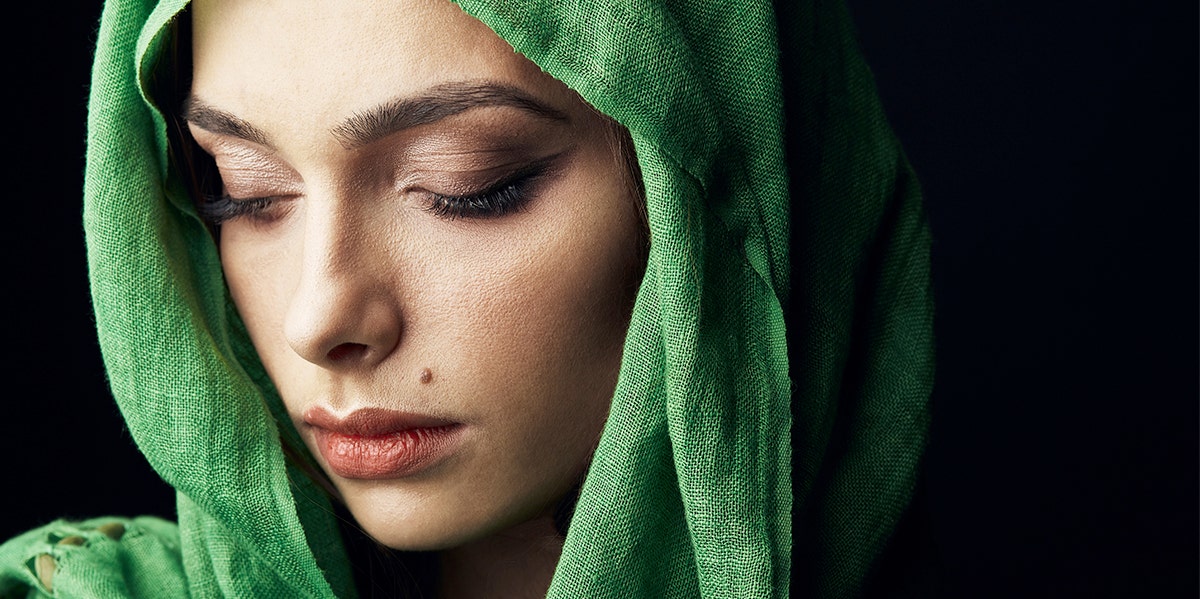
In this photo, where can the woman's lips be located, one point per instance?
(373, 443)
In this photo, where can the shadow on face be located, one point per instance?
(433, 249)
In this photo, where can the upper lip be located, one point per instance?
(370, 422)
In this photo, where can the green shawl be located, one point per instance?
(761, 204)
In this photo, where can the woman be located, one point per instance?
(421, 292)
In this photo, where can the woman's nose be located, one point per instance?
(342, 313)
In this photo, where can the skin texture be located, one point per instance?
(357, 293)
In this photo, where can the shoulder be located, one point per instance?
(102, 557)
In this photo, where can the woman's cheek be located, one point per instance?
(259, 273)
(541, 306)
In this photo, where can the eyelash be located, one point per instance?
(506, 197)
(216, 210)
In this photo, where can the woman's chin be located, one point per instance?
(424, 520)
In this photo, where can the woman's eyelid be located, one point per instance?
(257, 176)
(482, 152)
(247, 165)
(450, 182)
(249, 171)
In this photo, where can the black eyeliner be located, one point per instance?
(509, 195)
(216, 210)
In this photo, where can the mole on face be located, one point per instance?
(426, 376)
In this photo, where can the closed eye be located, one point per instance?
(217, 210)
(505, 197)
(497, 202)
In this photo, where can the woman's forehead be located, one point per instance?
(277, 64)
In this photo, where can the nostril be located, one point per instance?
(347, 352)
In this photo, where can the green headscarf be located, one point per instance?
(694, 490)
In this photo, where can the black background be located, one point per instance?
(1057, 144)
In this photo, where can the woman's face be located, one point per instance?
(432, 245)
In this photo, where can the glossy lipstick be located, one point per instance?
(374, 443)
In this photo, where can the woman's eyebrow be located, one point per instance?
(215, 120)
(395, 115)
(437, 103)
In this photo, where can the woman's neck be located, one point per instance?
(518, 562)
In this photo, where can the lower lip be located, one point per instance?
(392, 455)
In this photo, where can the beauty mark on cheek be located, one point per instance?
(426, 376)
